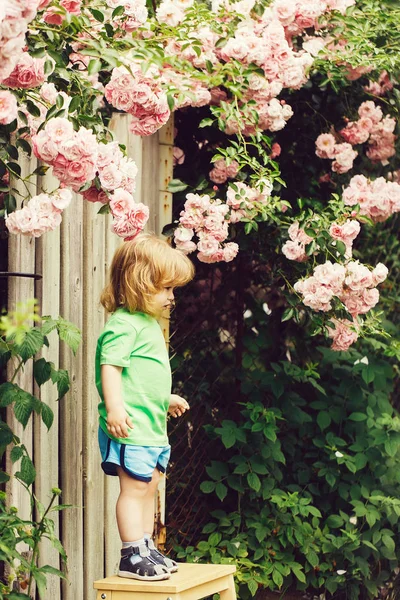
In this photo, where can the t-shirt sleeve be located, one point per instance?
(117, 344)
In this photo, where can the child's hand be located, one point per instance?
(177, 406)
(118, 422)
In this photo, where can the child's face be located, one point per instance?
(163, 299)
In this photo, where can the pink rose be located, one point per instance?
(52, 16)
(44, 147)
(230, 251)
(379, 274)
(28, 73)
(61, 198)
(183, 234)
(187, 246)
(59, 130)
(208, 245)
(294, 251)
(110, 177)
(343, 334)
(325, 144)
(8, 107)
(91, 194)
(121, 203)
(72, 6)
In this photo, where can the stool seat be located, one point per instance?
(191, 582)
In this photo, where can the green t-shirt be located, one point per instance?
(135, 342)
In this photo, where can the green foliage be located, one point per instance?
(20, 342)
(306, 480)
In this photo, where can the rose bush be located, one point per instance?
(81, 60)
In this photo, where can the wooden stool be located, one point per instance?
(191, 582)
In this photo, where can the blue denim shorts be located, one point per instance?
(138, 461)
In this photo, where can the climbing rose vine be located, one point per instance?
(67, 64)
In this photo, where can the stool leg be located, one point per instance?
(230, 593)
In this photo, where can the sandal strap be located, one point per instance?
(142, 550)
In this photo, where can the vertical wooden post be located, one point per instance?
(46, 452)
(71, 412)
(111, 485)
(94, 258)
(21, 258)
(163, 216)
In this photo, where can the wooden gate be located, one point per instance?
(73, 262)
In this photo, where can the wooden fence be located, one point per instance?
(73, 262)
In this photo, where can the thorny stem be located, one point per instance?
(16, 371)
(39, 529)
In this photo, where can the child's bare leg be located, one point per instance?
(130, 507)
(149, 525)
(148, 513)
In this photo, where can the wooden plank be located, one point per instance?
(94, 255)
(162, 217)
(150, 179)
(71, 406)
(21, 258)
(46, 453)
(111, 537)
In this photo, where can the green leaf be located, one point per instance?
(61, 378)
(32, 108)
(254, 481)
(24, 405)
(367, 543)
(221, 490)
(296, 569)
(41, 583)
(214, 539)
(31, 343)
(323, 419)
(117, 12)
(24, 145)
(6, 434)
(241, 469)
(98, 15)
(4, 477)
(312, 558)
(27, 473)
(287, 314)
(176, 185)
(94, 66)
(69, 333)
(74, 104)
(41, 370)
(357, 416)
(47, 415)
(206, 123)
(368, 374)
(207, 487)
(334, 521)
(389, 543)
(253, 586)
(277, 578)
(8, 392)
(16, 453)
(52, 571)
(10, 203)
(391, 446)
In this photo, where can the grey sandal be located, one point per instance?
(137, 563)
(160, 559)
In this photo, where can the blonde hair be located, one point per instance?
(140, 269)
